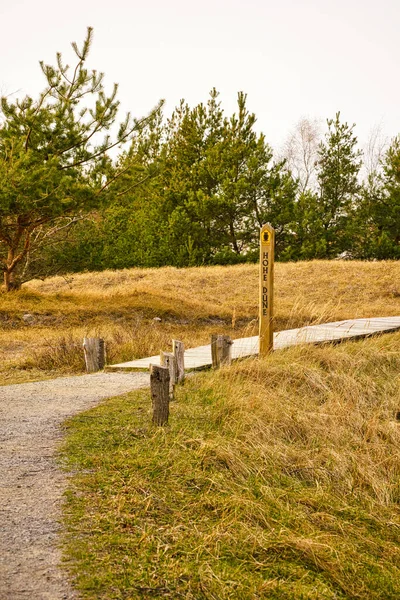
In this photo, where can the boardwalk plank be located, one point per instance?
(200, 357)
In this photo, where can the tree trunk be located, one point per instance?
(11, 281)
(233, 238)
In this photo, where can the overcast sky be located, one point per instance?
(293, 58)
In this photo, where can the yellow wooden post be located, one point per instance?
(267, 245)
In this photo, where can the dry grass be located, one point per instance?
(305, 291)
(192, 303)
(275, 479)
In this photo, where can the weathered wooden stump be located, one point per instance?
(159, 387)
(178, 349)
(221, 350)
(168, 360)
(95, 354)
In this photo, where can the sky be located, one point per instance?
(294, 59)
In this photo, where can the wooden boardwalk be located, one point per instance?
(200, 357)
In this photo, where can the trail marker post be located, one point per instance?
(267, 247)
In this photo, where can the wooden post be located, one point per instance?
(214, 356)
(267, 245)
(159, 387)
(95, 354)
(167, 359)
(221, 350)
(178, 349)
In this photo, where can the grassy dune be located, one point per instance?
(192, 303)
(276, 479)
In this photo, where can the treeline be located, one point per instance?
(198, 186)
(191, 189)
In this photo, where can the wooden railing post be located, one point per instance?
(159, 387)
(178, 349)
(95, 354)
(167, 359)
(221, 350)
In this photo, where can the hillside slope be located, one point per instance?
(275, 479)
(42, 326)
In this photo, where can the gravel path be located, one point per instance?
(31, 485)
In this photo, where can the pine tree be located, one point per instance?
(380, 209)
(220, 184)
(54, 160)
(337, 171)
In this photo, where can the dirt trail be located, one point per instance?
(31, 485)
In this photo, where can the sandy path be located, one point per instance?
(31, 485)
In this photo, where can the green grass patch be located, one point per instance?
(274, 479)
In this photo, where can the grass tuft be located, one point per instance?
(61, 354)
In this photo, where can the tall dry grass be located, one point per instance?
(304, 290)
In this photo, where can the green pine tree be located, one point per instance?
(339, 163)
(379, 214)
(54, 161)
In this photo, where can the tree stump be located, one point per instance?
(95, 354)
(159, 387)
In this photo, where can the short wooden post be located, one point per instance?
(95, 354)
(214, 356)
(224, 345)
(159, 387)
(178, 349)
(267, 244)
(167, 359)
(221, 350)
